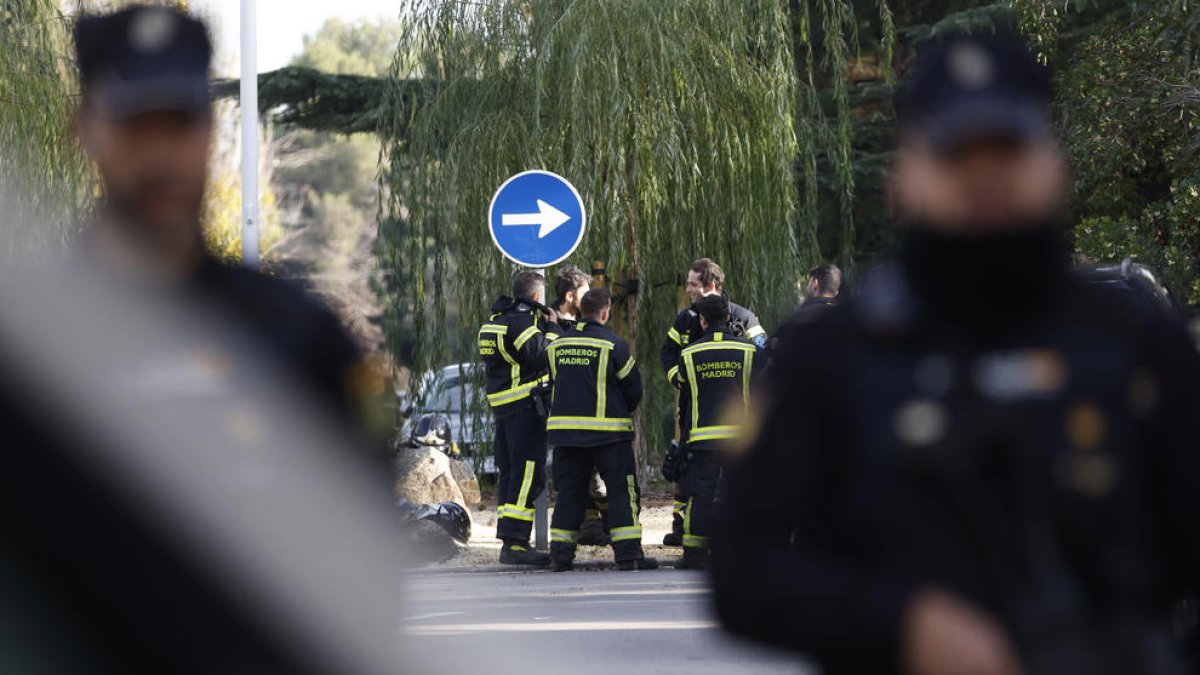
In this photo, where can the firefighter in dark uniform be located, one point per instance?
(716, 373)
(570, 285)
(970, 480)
(705, 278)
(512, 346)
(596, 389)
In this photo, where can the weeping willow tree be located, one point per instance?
(44, 180)
(677, 121)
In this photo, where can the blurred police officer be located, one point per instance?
(970, 480)
(705, 278)
(145, 119)
(715, 372)
(596, 389)
(570, 285)
(512, 345)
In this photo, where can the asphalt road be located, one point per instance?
(654, 622)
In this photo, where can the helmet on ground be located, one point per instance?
(431, 429)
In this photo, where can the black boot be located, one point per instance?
(673, 539)
(693, 559)
(637, 564)
(521, 554)
(558, 566)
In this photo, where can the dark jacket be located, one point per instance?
(714, 370)
(512, 345)
(686, 330)
(1049, 454)
(805, 315)
(596, 387)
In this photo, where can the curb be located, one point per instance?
(583, 566)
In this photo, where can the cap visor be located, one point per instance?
(981, 118)
(181, 93)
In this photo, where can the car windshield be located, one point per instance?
(451, 396)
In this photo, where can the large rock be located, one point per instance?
(467, 482)
(424, 476)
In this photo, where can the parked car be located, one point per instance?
(455, 392)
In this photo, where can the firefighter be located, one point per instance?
(596, 389)
(716, 373)
(705, 278)
(570, 285)
(512, 346)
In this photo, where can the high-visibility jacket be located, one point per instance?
(512, 345)
(686, 330)
(596, 387)
(716, 373)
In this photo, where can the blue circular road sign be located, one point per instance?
(537, 218)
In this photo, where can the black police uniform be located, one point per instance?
(512, 345)
(716, 372)
(596, 389)
(684, 331)
(810, 312)
(1036, 455)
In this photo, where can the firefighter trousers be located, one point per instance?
(572, 469)
(520, 453)
(701, 485)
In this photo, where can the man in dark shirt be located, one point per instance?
(969, 481)
(145, 119)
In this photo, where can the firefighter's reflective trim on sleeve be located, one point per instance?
(497, 328)
(551, 336)
(521, 509)
(514, 367)
(564, 536)
(590, 423)
(675, 336)
(755, 331)
(525, 335)
(501, 510)
(516, 393)
(626, 533)
(673, 374)
(626, 369)
(678, 506)
(714, 433)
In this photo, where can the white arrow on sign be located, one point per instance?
(547, 218)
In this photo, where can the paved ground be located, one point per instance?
(654, 623)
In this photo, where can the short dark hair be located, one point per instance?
(526, 283)
(714, 309)
(828, 278)
(595, 301)
(709, 273)
(569, 278)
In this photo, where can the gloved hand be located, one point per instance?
(674, 463)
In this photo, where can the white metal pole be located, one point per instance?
(249, 62)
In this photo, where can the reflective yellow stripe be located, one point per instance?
(564, 536)
(675, 336)
(496, 328)
(590, 423)
(517, 393)
(747, 367)
(754, 332)
(706, 346)
(718, 337)
(626, 533)
(631, 481)
(624, 372)
(689, 365)
(583, 342)
(714, 433)
(525, 335)
(673, 374)
(551, 337)
(602, 384)
(693, 541)
(687, 519)
(526, 483)
(518, 514)
(678, 506)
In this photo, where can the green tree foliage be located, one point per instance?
(677, 121)
(44, 178)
